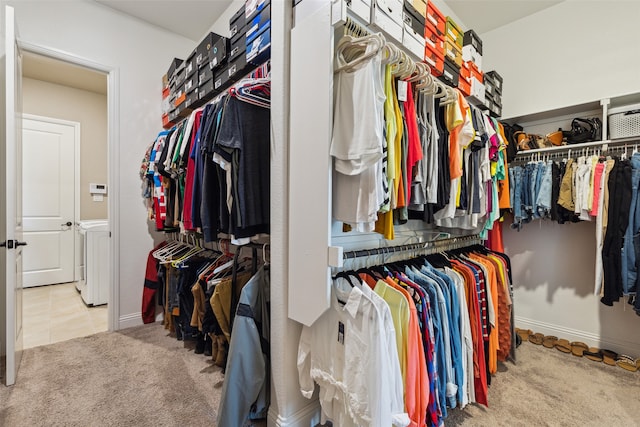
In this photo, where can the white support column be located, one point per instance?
(288, 406)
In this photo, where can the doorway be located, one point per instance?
(65, 171)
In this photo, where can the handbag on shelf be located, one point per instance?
(584, 130)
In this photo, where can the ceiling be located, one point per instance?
(487, 15)
(173, 15)
(54, 71)
(189, 18)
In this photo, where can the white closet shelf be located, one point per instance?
(543, 122)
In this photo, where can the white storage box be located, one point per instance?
(469, 53)
(624, 122)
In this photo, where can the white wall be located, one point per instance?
(90, 110)
(571, 53)
(141, 53)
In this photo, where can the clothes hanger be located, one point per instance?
(354, 51)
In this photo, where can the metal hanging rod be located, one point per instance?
(433, 246)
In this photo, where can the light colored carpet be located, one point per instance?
(136, 377)
(549, 388)
(142, 377)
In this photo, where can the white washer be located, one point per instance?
(94, 281)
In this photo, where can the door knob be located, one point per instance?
(68, 224)
(20, 243)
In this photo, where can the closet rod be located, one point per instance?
(436, 246)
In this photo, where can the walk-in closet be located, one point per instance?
(336, 213)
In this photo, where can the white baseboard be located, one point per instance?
(620, 346)
(309, 416)
(130, 320)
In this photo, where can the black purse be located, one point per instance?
(584, 130)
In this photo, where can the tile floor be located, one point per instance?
(57, 313)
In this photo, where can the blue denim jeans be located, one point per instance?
(543, 202)
(540, 171)
(629, 259)
(515, 179)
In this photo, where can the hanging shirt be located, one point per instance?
(342, 353)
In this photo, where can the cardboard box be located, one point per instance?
(471, 38)
(219, 53)
(437, 19)
(254, 7)
(222, 79)
(238, 48)
(204, 75)
(258, 24)
(434, 59)
(413, 41)
(237, 21)
(259, 50)
(206, 91)
(190, 67)
(202, 51)
(173, 67)
(239, 67)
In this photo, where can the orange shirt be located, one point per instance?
(417, 386)
(492, 286)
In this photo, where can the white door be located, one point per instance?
(11, 197)
(48, 197)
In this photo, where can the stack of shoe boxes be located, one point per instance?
(472, 58)
(413, 17)
(191, 84)
(434, 35)
(238, 48)
(210, 57)
(452, 53)
(166, 103)
(217, 62)
(493, 87)
(175, 75)
(386, 16)
(258, 34)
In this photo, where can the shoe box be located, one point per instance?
(413, 31)
(436, 20)
(453, 52)
(361, 9)
(434, 35)
(472, 48)
(435, 59)
(453, 32)
(386, 16)
(493, 92)
(464, 82)
(258, 23)
(451, 73)
(237, 23)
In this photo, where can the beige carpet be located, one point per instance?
(549, 388)
(136, 377)
(142, 377)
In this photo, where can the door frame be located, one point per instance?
(113, 170)
(76, 174)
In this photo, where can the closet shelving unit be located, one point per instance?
(544, 122)
(316, 242)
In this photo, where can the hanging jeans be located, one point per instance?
(629, 268)
(515, 181)
(543, 201)
(619, 205)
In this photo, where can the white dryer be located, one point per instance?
(94, 281)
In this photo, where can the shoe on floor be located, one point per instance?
(563, 346)
(594, 353)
